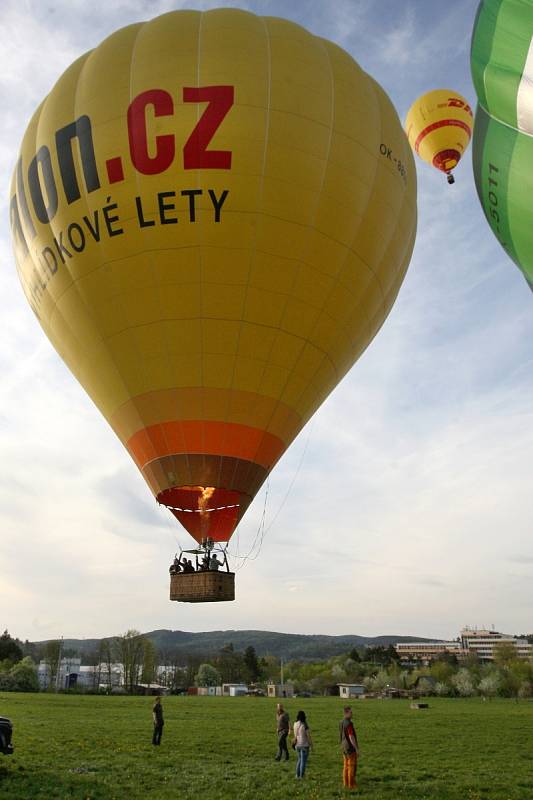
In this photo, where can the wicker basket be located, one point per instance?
(202, 587)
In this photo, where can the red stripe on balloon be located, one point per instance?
(457, 123)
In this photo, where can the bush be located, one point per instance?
(526, 690)
(6, 682)
(489, 685)
(464, 683)
(207, 675)
(24, 676)
(425, 687)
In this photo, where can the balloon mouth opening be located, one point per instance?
(205, 511)
(446, 160)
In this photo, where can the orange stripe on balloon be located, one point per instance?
(441, 124)
(205, 437)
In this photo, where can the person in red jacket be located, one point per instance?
(350, 748)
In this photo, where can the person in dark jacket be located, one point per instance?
(157, 714)
(350, 749)
(282, 719)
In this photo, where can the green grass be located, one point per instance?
(100, 748)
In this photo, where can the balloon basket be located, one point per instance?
(202, 587)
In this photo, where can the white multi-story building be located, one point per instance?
(72, 674)
(483, 643)
(101, 676)
(479, 642)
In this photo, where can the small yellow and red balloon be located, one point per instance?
(439, 126)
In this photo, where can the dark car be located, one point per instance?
(6, 729)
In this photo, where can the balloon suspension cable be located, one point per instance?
(258, 539)
(171, 529)
(262, 530)
(291, 485)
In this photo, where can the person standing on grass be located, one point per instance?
(350, 749)
(302, 743)
(282, 718)
(157, 714)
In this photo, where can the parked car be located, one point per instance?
(6, 730)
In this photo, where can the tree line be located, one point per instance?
(381, 671)
(377, 668)
(141, 663)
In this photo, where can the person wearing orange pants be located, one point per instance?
(350, 749)
(349, 771)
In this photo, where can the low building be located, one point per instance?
(349, 691)
(171, 675)
(65, 678)
(425, 652)
(111, 676)
(154, 689)
(89, 677)
(234, 689)
(280, 690)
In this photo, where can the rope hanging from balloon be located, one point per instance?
(262, 530)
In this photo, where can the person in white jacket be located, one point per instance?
(302, 743)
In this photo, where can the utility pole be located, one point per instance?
(281, 675)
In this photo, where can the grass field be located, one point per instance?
(100, 748)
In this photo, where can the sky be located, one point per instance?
(404, 506)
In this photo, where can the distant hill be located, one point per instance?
(283, 645)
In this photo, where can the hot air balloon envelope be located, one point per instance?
(212, 214)
(502, 71)
(439, 126)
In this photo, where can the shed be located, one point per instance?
(351, 690)
(154, 689)
(280, 690)
(209, 691)
(234, 689)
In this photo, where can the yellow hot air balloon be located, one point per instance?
(439, 127)
(212, 216)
